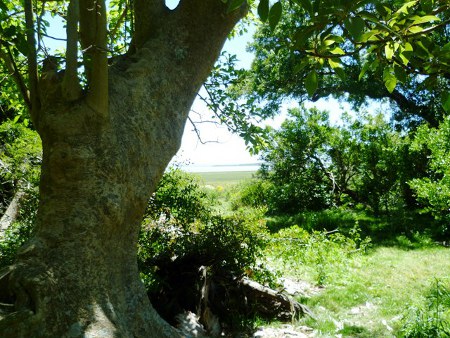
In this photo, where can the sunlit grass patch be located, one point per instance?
(363, 295)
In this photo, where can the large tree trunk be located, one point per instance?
(78, 276)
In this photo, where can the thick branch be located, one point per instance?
(93, 41)
(15, 73)
(205, 25)
(71, 86)
(121, 19)
(148, 16)
(32, 60)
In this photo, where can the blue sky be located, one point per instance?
(222, 146)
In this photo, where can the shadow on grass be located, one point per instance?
(356, 331)
(405, 229)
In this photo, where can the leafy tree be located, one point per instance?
(395, 50)
(380, 168)
(434, 189)
(293, 161)
(313, 165)
(110, 110)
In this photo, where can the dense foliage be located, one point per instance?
(434, 189)
(362, 164)
(20, 156)
(396, 50)
(181, 224)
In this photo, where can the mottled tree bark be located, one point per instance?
(78, 276)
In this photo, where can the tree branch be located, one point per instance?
(204, 26)
(121, 19)
(148, 16)
(32, 61)
(93, 37)
(11, 213)
(14, 72)
(71, 88)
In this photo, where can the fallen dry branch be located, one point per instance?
(12, 212)
(221, 302)
(272, 303)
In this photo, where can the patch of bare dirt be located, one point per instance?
(285, 331)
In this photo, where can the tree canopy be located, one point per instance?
(395, 50)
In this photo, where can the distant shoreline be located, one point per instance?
(250, 167)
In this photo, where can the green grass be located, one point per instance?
(366, 295)
(224, 177)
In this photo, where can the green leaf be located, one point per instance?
(234, 4)
(424, 19)
(389, 51)
(311, 83)
(400, 73)
(334, 63)
(368, 16)
(302, 35)
(415, 29)
(446, 47)
(340, 72)
(390, 81)
(337, 51)
(445, 100)
(355, 26)
(405, 7)
(382, 9)
(423, 50)
(263, 10)
(275, 14)
(328, 42)
(364, 69)
(406, 53)
(300, 66)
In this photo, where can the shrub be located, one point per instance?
(182, 237)
(254, 193)
(432, 320)
(325, 252)
(180, 198)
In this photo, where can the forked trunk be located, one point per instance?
(78, 276)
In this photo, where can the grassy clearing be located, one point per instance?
(356, 290)
(368, 295)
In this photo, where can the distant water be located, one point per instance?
(221, 167)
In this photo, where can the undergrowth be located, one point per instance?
(432, 319)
